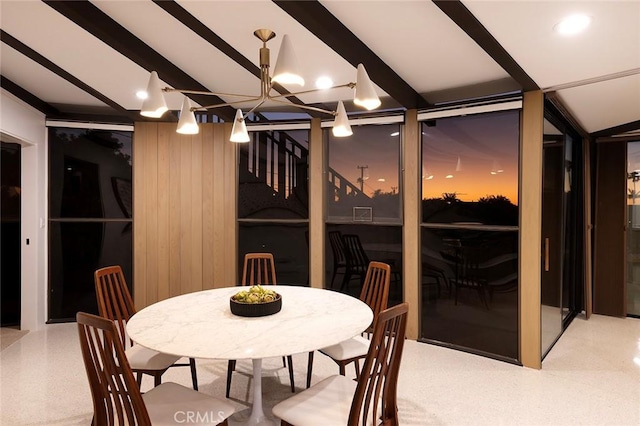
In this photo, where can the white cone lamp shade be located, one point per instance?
(239, 133)
(286, 69)
(187, 124)
(365, 92)
(154, 105)
(341, 127)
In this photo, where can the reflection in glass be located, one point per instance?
(554, 187)
(633, 230)
(76, 250)
(288, 242)
(364, 175)
(89, 173)
(377, 243)
(470, 169)
(90, 214)
(469, 290)
(273, 176)
(470, 232)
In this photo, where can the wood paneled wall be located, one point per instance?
(185, 229)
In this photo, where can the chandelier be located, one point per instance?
(285, 72)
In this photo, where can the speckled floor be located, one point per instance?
(591, 377)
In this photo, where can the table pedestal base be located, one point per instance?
(257, 416)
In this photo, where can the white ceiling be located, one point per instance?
(425, 48)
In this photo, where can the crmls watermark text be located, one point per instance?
(186, 417)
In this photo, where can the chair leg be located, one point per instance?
(139, 379)
(284, 362)
(230, 369)
(293, 385)
(309, 369)
(194, 376)
(157, 379)
(356, 365)
(342, 372)
(333, 277)
(345, 280)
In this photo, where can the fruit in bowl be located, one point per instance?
(256, 294)
(255, 302)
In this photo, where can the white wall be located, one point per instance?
(21, 121)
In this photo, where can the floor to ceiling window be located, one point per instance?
(560, 293)
(90, 214)
(469, 285)
(273, 201)
(364, 206)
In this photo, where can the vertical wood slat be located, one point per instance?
(208, 243)
(141, 137)
(317, 183)
(411, 228)
(217, 218)
(196, 212)
(185, 219)
(230, 202)
(151, 216)
(164, 136)
(175, 257)
(530, 261)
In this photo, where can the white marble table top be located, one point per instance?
(201, 325)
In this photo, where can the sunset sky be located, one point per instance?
(479, 153)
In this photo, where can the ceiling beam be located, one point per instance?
(617, 130)
(195, 25)
(320, 22)
(9, 40)
(103, 27)
(27, 97)
(458, 13)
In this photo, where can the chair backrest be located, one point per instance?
(337, 248)
(259, 268)
(356, 256)
(114, 298)
(375, 291)
(115, 393)
(375, 399)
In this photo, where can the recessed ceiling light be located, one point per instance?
(382, 180)
(324, 83)
(141, 94)
(448, 176)
(395, 133)
(573, 24)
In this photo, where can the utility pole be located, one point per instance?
(361, 180)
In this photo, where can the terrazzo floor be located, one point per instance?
(591, 377)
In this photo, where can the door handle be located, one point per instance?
(546, 254)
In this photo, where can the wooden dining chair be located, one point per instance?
(339, 255)
(116, 394)
(115, 303)
(375, 293)
(372, 399)
(357, 260)
(259, 269)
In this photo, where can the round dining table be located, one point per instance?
(201, 325)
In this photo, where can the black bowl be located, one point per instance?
(256, 309)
